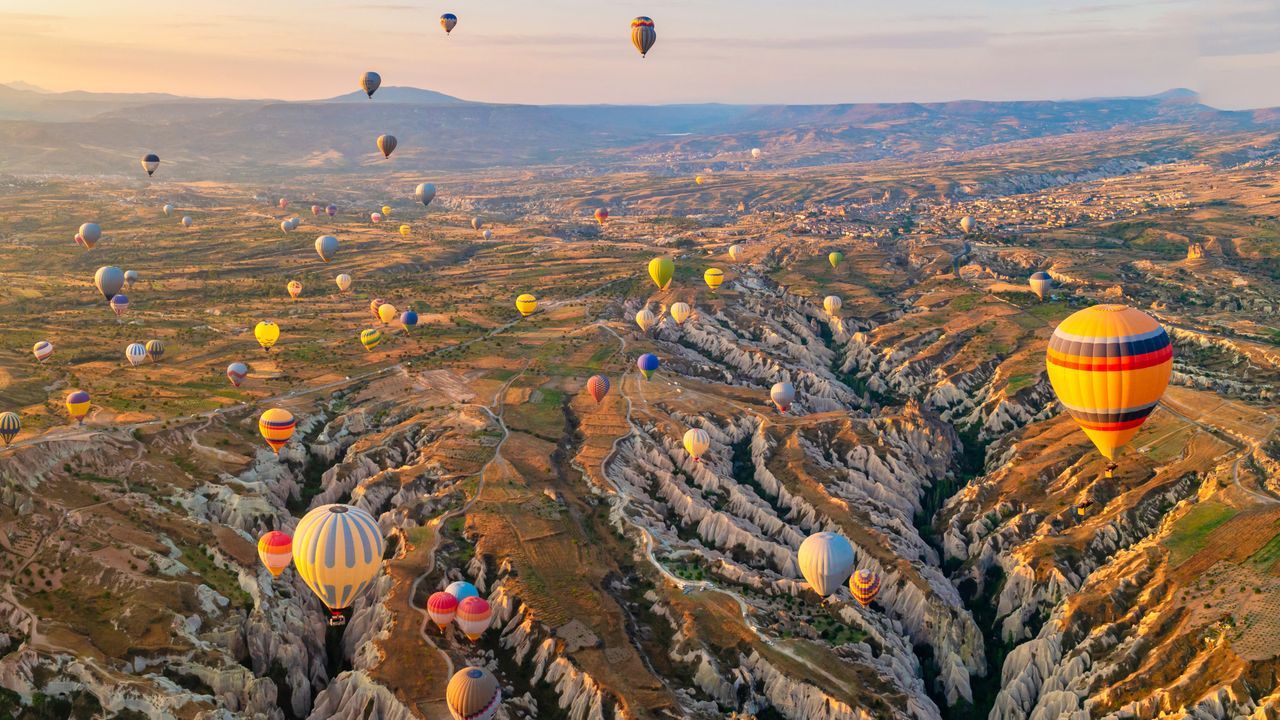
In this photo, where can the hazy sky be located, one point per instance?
(578, 51)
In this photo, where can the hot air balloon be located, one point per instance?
(120, 304)
(108, 280)
(42, 350)
(267, 333)
(315, 210)
(648, 364)
(825, 560)
(186, 221)
(442, 606)
(461, 590)
(286, 226)
(713, 277)
(405, 230)
(782, 394)
(10, 426)
(864, 585)
(90, 233)
(387, 144)
(150, 162)
(168, 209)
(755, 153)
(337, 550)
(369, 82)
(527, 304)
(835, 259)
(136, 354)
(735, 252)
(424, 193)
(155, 350)
(1041, 283)
(343, 282)
(375, 217)
(408, 319)
(277, 426)
(601, 215)
(473, 694)
(295, 289)
(473, 616)
(661, 269)
(386, 211)
(680, 312)
(487, 234)
(78, 405)
(275, 549)
(598, 387)
(237, 372)
(967, 224)
(80, 241)
(283, 203)
(326, 247)
(476, 223)
(646, 319)
(1109, 366)
(130, 277)
(697, 180)
(448, 21)
(832, 304)
(374, 304)
(371, 338)
(331, 210)
(696, 442)
(387, 312)
(643, 36)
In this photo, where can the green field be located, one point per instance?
(1191, 532)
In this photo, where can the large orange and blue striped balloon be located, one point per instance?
(1110, 365)
(337, 550)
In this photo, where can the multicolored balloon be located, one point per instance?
(295, 289)
(461, 590)
(601, 214)
(714, 278)
(275, 549)
(735, 252)
(1109, 366)
(42, 350)
(155, 350)
(237, 372)
(136, 354)
(119, 304)
(696, 443)
(150, 162)
(598, 387)
(331, 210)
(680, 311)
(343, 281)
(90, 234)
(648, 364)
(78, 405)
(108, 280)
(835, 259)
(186, 221)
(782, 394)
(473, 616)
(10, 426)
(409, 319)
(1041, 283)
(130, 277)
(371, 338)
(646, 319)
(448, 21)
(643, 35)
(441, 607)
(473, 693)
(424, 193)
(864, 585)
(276, 426)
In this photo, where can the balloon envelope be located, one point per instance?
(648, 364)
(448, 21)
(276, 427)
(337, 550)
(1109, 366)
(424, 193)
(42, 350)
(326, 247)
(275, 550)
(832, 304)
(461, 589)
(237, 372)
(387, 144)
(371, 338)
(1041, 283)
(598, 387)
(825, 560)
(295, 289)
(643, 35)
(473, 693)
(696, 442)
(680, 312)
(343, 281)
(661, 270)
(78, 405)
(266, 333)
(90, 233)
(526, 304)
(835, 259)
(10, 426)
(442, 606)
(782, 394)
(150, 162)
(155, 350)
(369, 82)
(713, 277)
(864, 585)
(473, 616)
(136, 354)
(646, 319)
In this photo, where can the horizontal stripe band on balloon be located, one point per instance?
(1108, 361)
(278, 424)
(1091, 346)
(1119, 416)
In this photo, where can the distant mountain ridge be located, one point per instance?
(201, 138)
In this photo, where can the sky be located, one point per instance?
(579, 51)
